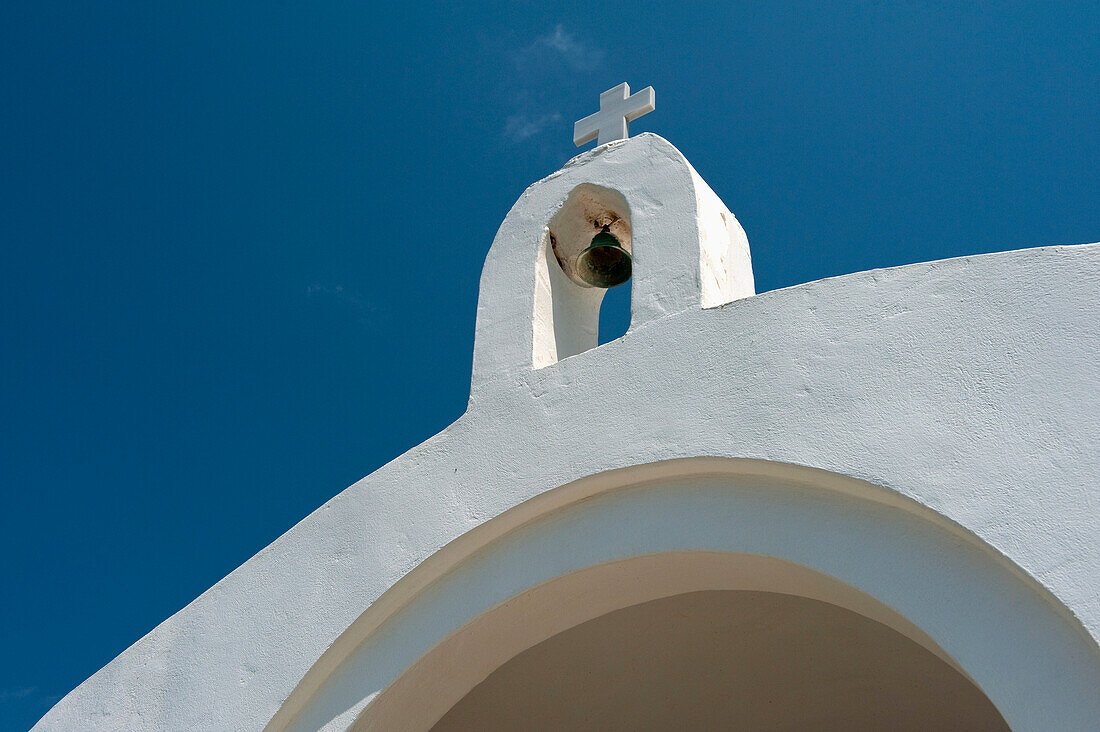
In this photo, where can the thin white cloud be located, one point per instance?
(365, 311)
(16, 692)
(543, 67)
(579, 55)
(520, 127)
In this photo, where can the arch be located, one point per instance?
(939, 584)
(451, 670)
(567, 311)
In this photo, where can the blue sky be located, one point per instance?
(241, 242)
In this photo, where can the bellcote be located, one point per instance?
(688, 251)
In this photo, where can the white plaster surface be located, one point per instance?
(963, 390)
(1036, 669)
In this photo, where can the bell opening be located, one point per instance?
(584, 260)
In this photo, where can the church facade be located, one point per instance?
(870, 501)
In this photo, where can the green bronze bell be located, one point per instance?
(604, 263)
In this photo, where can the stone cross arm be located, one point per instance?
(617, 107)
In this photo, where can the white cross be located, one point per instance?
(617, 107)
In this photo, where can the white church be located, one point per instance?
(870, 502)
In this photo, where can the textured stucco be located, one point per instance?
(967, 386)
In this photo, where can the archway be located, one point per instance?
(689, 640)
(621, 539)
(725, 659)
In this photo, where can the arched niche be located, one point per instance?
(771, 527)
(567, 310)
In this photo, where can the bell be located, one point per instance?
(604, 263)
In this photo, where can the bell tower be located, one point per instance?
(629, 208)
